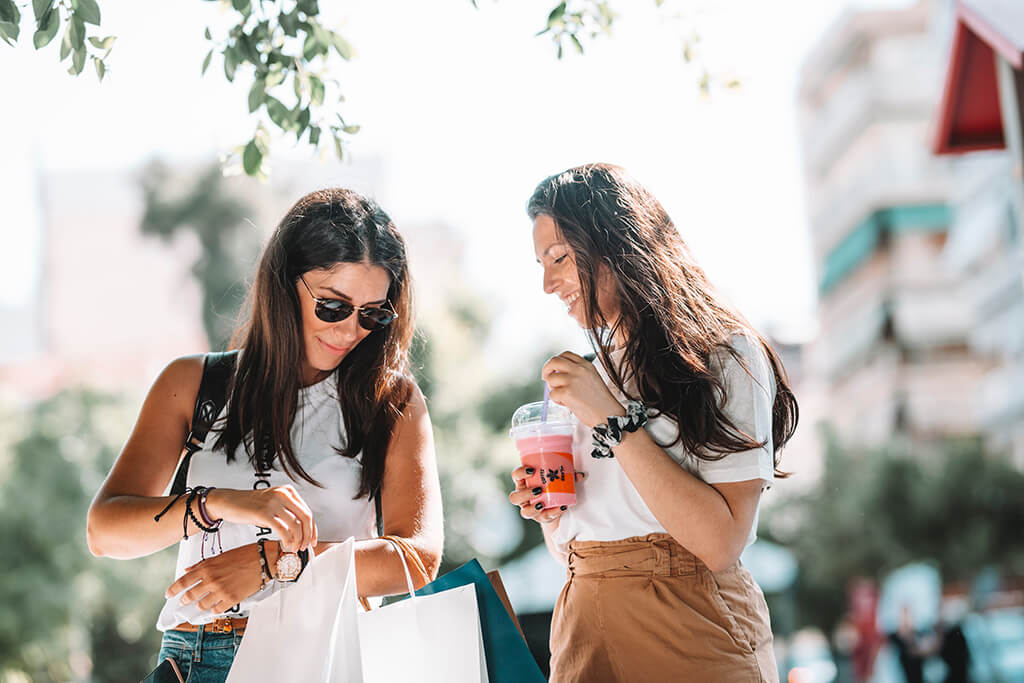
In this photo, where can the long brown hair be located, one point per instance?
(374, 383)
(673, 322)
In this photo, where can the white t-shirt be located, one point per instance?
(317, 430)
(608, 506)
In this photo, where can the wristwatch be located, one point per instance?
(288, 567)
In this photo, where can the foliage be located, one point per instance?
(282, 49)
(63, 612)
(877, 509)
(227, 247)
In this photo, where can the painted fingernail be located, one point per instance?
(530, 470)
(537, 490)
(539, 506)
(565, 507)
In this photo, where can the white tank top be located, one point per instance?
(317, 431)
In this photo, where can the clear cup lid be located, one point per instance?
(532, 414)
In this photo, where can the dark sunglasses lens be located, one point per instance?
(333, 311)
(376, 318)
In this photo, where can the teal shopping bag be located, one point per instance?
(508, 658)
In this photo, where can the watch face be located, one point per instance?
(288, 567)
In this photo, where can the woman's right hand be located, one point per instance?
(279, 508)
(528, 487)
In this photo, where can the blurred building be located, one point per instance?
(109, 306)
(893, 352)
(981, 116)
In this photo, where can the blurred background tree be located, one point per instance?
(878, 509)
(228, 243)
(64, 613)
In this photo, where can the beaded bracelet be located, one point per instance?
(193, 494)
(609, 435)
(264, 565)
(201, 505)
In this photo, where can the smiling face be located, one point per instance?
(327, 344)
(561, 276)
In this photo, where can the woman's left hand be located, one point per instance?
(224, 580)
(575, 384)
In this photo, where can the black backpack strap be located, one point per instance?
(213, 393)
(380, 514)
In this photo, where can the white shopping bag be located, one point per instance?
(428, 639)
(306, 632)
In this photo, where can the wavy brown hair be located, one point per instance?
(672, 320)
(374, 383)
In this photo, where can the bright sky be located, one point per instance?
(468, 111)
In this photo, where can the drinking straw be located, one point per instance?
(544, 408)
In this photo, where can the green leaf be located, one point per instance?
(312, 47)
(103, 43)
(9, 13)
(40, 8)
(76, 34)
(77, 62)
(576, 42)
(316, 90)
(314, 135)
(207, 35)
(556, 14)
(88, 11)
(351, 130)
(252, 158)
(289, 23)
(249, 51)
(275, 77)
(206, 62)
(310, 7)
(65, 42)
(338, 148)
(243, 6)
(256, 94)
(8, 32)
(278, 113)
(101, 68)
(231, 61)
(341, 45)
(47, 31)
(301, 122)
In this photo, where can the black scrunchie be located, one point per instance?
(609, 435)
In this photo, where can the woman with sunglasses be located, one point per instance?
(681, 419)
(322, 415)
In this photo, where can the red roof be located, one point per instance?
(969, 117)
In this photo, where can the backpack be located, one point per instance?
(218, 369)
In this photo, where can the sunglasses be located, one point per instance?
(335, 310)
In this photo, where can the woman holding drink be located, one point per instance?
(681, 418)
(321, 414)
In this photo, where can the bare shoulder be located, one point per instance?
(177, 384)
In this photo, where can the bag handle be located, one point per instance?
(408, 555)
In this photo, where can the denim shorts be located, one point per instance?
(202, 657)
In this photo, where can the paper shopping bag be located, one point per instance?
(429, 639)
(508, 658)
(306, 631)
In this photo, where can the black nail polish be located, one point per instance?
(530, 470)
(537, 490)
(565, 507)
(539, 506)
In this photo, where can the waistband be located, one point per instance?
(225, 625)
(654, 554)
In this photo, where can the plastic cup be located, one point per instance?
(546, 446)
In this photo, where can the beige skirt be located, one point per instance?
(646, 609)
